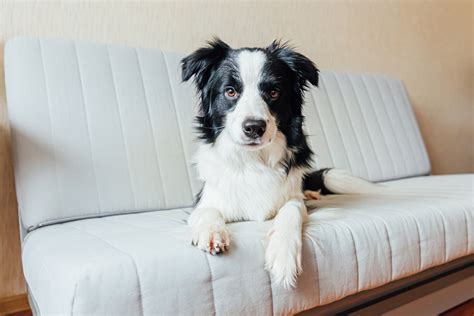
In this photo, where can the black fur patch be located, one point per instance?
(315, 181)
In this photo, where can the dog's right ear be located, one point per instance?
(201, 63)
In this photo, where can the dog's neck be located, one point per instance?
(233, 156)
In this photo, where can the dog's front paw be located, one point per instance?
(283, 257)
(212, 238)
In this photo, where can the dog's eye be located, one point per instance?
(274, 94)
(230, 93)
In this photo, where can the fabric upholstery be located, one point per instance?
(143, 264)
(365, 124)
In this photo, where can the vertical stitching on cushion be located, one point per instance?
(356, 134)
(212, 283)
(377, 85)
(399, 116)
(440, 213)
(411, 213)
(74, 298)
(317, 267)
(151, 125)
(355, 254)
(443, 221)
(179, 123)
(322, 125)
(337, 127)
(88, 127)
(389, 248)
(467, 229)
(437, 210)
(48, 101)
(419, 241)
(271, 291)
(124, 253)
(127, 155)
(360, 211)
(372, 106)
(366, 125)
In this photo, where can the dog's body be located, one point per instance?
(253, 156)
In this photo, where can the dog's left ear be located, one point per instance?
(304, 69)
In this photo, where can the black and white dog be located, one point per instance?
(253, 156)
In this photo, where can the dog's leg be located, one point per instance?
(209, 232)
(283, 254)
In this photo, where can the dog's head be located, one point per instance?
(249, 95)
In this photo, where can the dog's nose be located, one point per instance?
(254, 128)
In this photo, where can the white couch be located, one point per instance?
(103, 146)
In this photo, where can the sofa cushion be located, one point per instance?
(143, 264)
(106, 129)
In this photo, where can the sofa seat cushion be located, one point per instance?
(143, 264)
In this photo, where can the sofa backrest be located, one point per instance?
(365, 124)
(100, 129)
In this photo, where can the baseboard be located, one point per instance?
(14, 304)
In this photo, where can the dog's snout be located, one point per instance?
(254, 128)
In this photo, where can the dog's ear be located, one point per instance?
(201, 63)
(304, 69)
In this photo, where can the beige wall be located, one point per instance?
(428, 44)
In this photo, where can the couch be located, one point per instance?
(103, 145)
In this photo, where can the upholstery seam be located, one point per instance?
(384, 107)
(337, 127)
(443, 222)
(152, 126)
(355, 255)
(212, 283)
(104, 214)
(74, 296)
(402, 110)
(352, 125)
(404, 107)
(48, 101)
(397, 110)
(322, 127)
(467, 231)
(367, 128)
(149, 214)
(271, 290)
(360, 212)
(88, 128)
(437, 210)
(372, 106)
(417, 225)
(317, 267)
(125, 147)
(136, 226)
(179, 122)
(124, 253)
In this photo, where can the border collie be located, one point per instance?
(253, 155)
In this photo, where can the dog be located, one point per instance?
(253, 156)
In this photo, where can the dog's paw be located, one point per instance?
(212, 238)
(283, 257)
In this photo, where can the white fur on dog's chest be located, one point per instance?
(246, 185)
